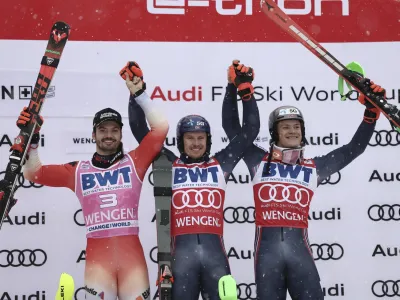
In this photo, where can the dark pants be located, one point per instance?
(284, 262)
(199, 261)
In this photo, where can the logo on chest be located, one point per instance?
(197, 188)
(186, 177)
(197, 198)
(109, 180)
(285, 184)
(281, 171)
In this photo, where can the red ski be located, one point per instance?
(272, 10)
(59, 35)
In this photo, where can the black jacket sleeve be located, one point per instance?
(231, 125)
(339, 158)
(242, 140)
(230, 113)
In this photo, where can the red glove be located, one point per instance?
(242, 77)
(133, 69)
(372, 113)
(25, 118)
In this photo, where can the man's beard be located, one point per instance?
(108, 150)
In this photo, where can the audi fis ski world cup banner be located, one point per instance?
(184, 48)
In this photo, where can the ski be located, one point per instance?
(272, 10)
(162, 176)
(59, 35)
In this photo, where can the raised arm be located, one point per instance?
(230, 112)
(152, 142)
(234, 151)
(136, 113)
(339, 158)
(33, 170)
(230, 118)
(137, 120)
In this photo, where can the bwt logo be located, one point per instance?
(106, 178)
(178, 7)
(183, 175)
(24, 92)
(287, 171)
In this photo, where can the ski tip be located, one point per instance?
(59, 35)
(66, 288)
(227, 288)
(62, 26)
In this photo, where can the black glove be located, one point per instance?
(4, 186)
(25, 118)
(371, 113)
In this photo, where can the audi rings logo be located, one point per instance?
(284, 193)
(80, 294)
(78, 218)
(384, 212)
(385, 138)
(150, 178)
(191, 198)
(246, 291)
(22, 258)
(327, 251)
(332, 179)
(153, 254)
(239, 214)
(388, 288)
(22, 182)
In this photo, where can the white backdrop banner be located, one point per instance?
(354, 214)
